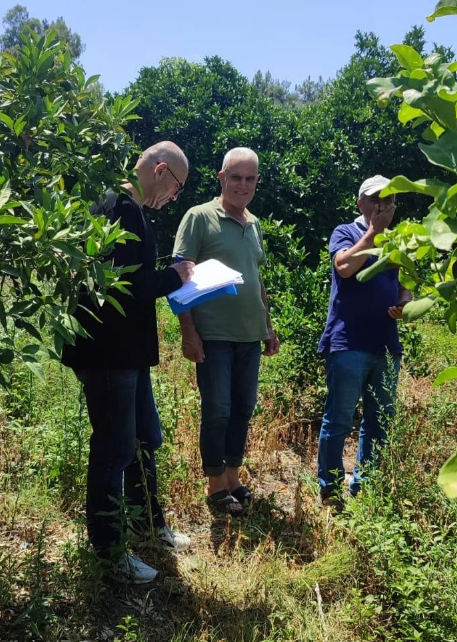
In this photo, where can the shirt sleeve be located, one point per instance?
(263, 258)
(341, 239)
(190, 236)
(147, 283)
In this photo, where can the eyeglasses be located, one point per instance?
(180, 185)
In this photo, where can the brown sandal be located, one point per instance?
(224, 502)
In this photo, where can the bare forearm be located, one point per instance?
(404, 295)
(263, 294)
(347, 263)
(186, 322)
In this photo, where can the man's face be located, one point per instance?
(172, 179)
(238, 182)
(368, 204)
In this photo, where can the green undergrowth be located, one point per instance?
(385, 570)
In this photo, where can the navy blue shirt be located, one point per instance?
(357, 317)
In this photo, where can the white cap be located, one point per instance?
(373, 185)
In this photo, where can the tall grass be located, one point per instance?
(384, 570)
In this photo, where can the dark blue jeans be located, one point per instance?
(227, 380)
(353, 374)
(124, 419)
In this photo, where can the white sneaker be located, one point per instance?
(136, 571)
(172, 540)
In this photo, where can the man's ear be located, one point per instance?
(160, 169)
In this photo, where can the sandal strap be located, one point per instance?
(222, 498)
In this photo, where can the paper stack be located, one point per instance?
(210, 280)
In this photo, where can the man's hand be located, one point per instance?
(382, 216)
(271, 344)
(192, 346)
(395, 312)
(184, 269)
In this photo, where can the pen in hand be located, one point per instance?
(183, 268)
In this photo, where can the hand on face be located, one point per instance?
(382, 215)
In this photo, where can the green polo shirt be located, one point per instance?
(208, 232)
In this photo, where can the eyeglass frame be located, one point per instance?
(180, 185)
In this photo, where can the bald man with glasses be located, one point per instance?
(113, 364)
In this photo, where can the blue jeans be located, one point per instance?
(350, 375)
(227, 380)
(124, 417)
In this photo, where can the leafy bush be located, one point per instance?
(298, 298)
(61, 148)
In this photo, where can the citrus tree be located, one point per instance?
(61, 147)
(425, 252)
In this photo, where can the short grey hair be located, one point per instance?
(239, 154)
(164, 151)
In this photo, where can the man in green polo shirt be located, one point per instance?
(223, 336)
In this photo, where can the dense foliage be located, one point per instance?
(313, 153)
(60, 149)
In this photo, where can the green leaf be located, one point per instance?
(446, 93)
(408, 57)
(28, 327)
(3, 319)
(446, 289)
(91, 80)
(8, 219)
(114, 303)
(130, 268)
(4, 382)
(451, 316)
(407, 113)
(12, 271)
(5, 194)
(431, 218)
(7, 120)
(423, 251)
(383, 89)
(407, 281)
(444, 234)
(35, 367)
(379, 266)
(71, 250)
(443, 152)
(64, 332)
(444, 8)
(414, 310)
(6, 355)
(91, 246)
(400, 258)
(447, 477)
(402, 185)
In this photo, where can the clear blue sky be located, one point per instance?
(293, 39)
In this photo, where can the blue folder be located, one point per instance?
(177, 308)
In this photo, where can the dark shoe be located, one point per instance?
(224, 502)
(243, 495)
(335, 503)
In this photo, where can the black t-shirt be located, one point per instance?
(130, 341)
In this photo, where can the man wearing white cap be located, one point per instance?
(359, 343)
